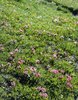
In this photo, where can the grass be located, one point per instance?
(35, 33)
(69, 3)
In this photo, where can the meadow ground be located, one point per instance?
(38, 50)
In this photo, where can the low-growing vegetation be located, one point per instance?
(38, 50)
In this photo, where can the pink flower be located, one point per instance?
(11, 53)
(45, 95)
(55, 55)
(41, 89)
(33, 69)
(20, 61)
(69, 78)
(37, 75)
(69, 84)
(54, 71)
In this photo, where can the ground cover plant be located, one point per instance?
(38, 50)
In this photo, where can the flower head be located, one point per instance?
(38, 61)
(54, 71)
(41, 89)
(69, 84)
(69, 78)
(55, 55)
(33, 69)
(37, 75)
(12, 53)
(20, 61)
(45, 95)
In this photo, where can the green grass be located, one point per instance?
(69, 3)
(39, 31)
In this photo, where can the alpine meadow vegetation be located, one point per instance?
(38, 49)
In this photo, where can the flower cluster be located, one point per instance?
(68, 83)
(69, 78)
(37, 61)
(45, 95)
(34, 71)
(20, 61)
(37, 75)
(63, 75)
(55, 71)
(42, 91)
(12, 53)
